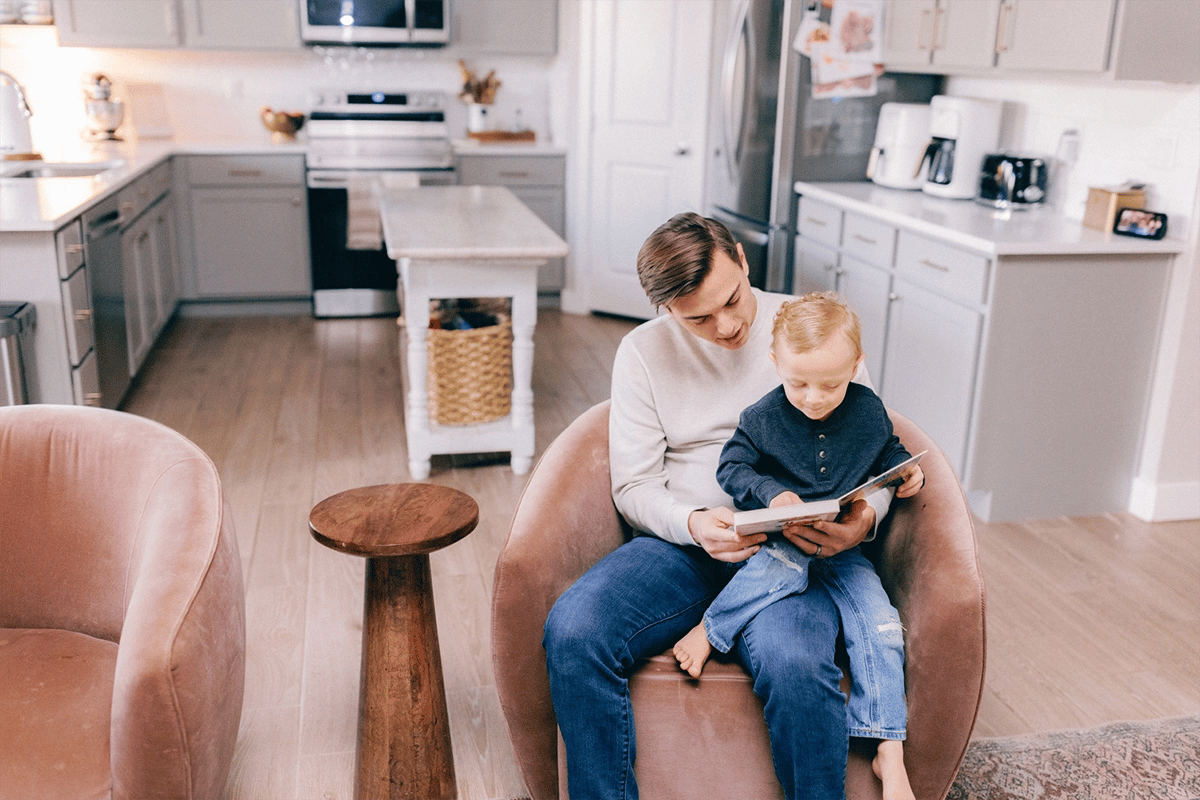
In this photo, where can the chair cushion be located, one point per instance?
(57, 699)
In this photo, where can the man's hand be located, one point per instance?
(712, 528)
(824, 538)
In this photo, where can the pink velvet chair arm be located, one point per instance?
(565, 522)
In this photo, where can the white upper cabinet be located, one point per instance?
(160, 24)
(511, 27)
(1126, 39)
(1055, 35)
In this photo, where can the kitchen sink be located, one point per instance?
(62, 169)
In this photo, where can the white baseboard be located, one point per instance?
(1164, 502)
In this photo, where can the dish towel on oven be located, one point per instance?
(364, 229)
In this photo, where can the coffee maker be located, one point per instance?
(962, 130)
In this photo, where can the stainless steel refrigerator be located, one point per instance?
(766, 131)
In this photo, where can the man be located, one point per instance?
(680, 382)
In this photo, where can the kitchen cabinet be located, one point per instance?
(77, 315)
(249, 228)
(168, 24)
(942, 33)
(513, 27)
(148, 260)
(1054, 35)
(1023, 347)
(538, 180)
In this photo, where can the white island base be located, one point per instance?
(459, 242)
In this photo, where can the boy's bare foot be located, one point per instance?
(889, 766)
(693, 650)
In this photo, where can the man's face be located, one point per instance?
(720, 310)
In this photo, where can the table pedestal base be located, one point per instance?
(404, 732)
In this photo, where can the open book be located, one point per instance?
(771, 520)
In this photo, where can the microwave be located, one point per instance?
(379, 23)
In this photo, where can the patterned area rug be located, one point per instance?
(1155, 760)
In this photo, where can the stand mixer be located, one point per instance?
(104, 112)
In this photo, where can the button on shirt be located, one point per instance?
(776, 449)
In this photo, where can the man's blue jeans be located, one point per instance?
(871, 626)
(638, 601)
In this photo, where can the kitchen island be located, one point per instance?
(461, 242)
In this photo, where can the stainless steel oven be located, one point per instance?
(359, 144)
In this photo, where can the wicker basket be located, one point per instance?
(470, 374)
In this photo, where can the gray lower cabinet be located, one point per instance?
(77, 316)
(1031, 372)
(249, 228)
(148, 247)
(539, 181)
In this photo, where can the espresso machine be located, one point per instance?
(962, 131)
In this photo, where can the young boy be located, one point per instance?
(817, 436)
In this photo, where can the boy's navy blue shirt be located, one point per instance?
(776, 449)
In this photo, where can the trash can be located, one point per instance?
(16, 353)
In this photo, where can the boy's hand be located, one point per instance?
(712, 528)
(785, 499)
(912, 483)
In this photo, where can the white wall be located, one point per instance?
(217, 95)
(1149, 133)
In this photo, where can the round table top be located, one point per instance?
(393, 519)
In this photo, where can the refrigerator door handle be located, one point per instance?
(733, 128)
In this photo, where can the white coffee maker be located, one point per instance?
(962, 131)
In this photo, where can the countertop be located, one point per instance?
(35, 205)
(464, 222)
(1031, 232)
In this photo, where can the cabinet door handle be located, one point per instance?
(926, 262)
(921, 30)
(83, 314)
(512, 174)
(1006, 9)
(893, 297)
(815, 221)
(91, 399)
(73, 249)
(864, 239)
(937, 21)
(245, 173)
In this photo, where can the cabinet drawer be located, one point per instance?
(135, 198)
(249, 170)
(869, 240)
(69, 244)
(944, 268)
(512, 170)
(85, 382)
(77, 315)
(819, 221)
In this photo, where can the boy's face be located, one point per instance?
(722, 308)
(815, 381)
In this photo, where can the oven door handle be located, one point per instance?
(328, 179)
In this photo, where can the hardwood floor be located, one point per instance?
(1090, 620)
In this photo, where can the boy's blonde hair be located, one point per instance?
(809, 321)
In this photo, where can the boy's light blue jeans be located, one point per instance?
(641, 599)
(873, 633)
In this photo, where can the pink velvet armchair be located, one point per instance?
(566, 521)
(122, 616)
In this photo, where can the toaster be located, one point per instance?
(1007, 181)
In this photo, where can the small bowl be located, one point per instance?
(282, 124)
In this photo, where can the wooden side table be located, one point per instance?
(403, 731)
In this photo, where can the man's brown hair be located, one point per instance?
(677, 257)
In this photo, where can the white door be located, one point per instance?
(649, 103)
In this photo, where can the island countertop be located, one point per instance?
(464, 222)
